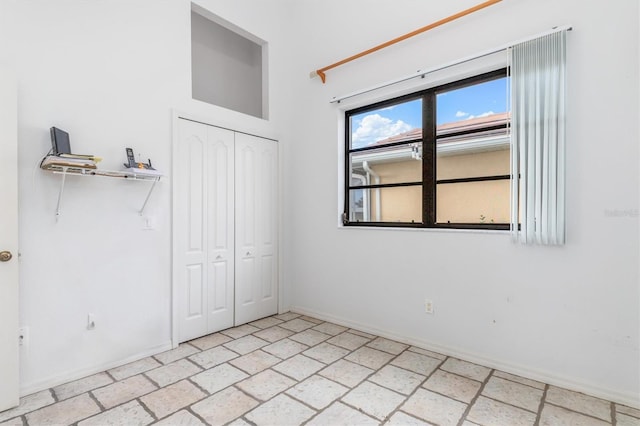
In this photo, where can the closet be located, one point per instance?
(224, 228)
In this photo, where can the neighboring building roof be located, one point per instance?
(473, 123)
(445, 129)
(488, 134)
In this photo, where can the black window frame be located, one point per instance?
(429, 160)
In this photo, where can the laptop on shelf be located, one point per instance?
(60, 145)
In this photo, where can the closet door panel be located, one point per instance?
(245, 207)
(256, 235)
(246, 275)
(190, 231)
(268, 198)
(218, 291)
(220, 223)
(195, 194)
(196, 299)
(203, 229)
(268, 289)
(246, 194)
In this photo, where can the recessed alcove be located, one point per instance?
(228, 65)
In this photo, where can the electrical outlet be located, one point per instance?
(91, 322)
(23, 336)
(428, 306)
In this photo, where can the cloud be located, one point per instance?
(460, 114)
(484, 114)
(375, 127)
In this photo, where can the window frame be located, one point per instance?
(429, 156)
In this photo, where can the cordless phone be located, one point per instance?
(133, 164)
(130, 158)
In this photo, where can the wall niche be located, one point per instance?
(228, 65)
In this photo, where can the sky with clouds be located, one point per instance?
(474, 101)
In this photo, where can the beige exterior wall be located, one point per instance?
(402, 204)
(470, 202)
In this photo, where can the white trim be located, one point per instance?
(422, 72)
(68, 376)
(559, 380)
(490, 143)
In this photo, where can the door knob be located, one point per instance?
(5, 256)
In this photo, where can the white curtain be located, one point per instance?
(538, 69)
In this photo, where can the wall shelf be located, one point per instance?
(152, 176)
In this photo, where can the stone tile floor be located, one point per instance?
(290, 369)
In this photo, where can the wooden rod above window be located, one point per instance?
(321, 72)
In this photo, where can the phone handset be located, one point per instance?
(130, 158)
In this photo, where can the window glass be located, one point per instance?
(395, 164)
(400, 204)
(472, 154)
(484, 202)
(388, 124)
(460, 107)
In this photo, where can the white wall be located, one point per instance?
(567, 315)
(108, 72)
(93, 69)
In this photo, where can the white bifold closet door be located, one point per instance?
(256, 228)
(205, 229)
(225, 229)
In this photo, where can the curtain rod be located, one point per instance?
(421, 73)
(321, 71)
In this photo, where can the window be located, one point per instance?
(439, 158)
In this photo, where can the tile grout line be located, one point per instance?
(406, 398)
(111, 376)
(100, 406)
(54, 396)
(190, 410)
(543, 401)
(476, 397)
(198, 366)
(129, 400)
(511, 405)
(147, 409)
(194, 383)
(359, 410)
(420, 386)
(518, 383)
(571, 410)
(538, 409)
(614, 417)
(153, 382)
(244, 419)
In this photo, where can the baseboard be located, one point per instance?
(69, 376)
(554, 379)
